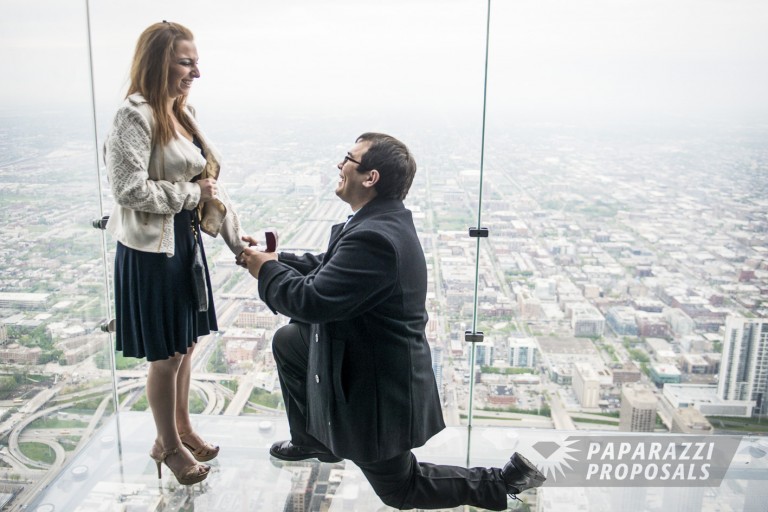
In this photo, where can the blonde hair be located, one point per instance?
(149, 76)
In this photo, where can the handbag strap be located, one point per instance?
(194, 224)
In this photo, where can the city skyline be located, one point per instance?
(589, 219)
(597, 59)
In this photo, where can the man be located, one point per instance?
(354, 364)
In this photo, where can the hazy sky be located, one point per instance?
(595, 57)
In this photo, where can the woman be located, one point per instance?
(163, 173)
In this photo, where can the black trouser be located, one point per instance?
(401, 482)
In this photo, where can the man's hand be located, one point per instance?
(253, 260)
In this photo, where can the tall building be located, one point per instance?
(25, 301)
(621, 320)
(624, 373)
(437, 366)
(485, 353)
(683, 499)
(586, 321)
(586, 385)
(523, 352)
(638, 410)
(744, 367)
(627, 498)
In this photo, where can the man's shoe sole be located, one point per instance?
(322, 457)
(530, 471)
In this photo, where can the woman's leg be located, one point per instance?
(162, 396)
(183, 382)
(201, 450)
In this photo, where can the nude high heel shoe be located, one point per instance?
(202, 453)
(186, 476)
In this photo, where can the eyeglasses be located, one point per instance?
(348, 158)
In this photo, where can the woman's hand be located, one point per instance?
(252, 242)
(207, 189)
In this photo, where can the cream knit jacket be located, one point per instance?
(151, 184)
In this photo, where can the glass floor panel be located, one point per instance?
(113, 472)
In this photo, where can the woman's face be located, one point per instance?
(183, 69)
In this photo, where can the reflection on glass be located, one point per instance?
(54, 357)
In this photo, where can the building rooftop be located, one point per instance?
(665, 369)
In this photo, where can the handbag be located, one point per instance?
(199, 283)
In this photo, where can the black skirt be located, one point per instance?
(155, 310)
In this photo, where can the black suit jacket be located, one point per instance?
(370, 385)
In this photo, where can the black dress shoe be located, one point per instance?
(519, 474)
(286, 450)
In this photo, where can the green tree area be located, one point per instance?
(196, 404)
(14, 385)
(141, 404)
(8, 413)
(232, 385)
(742, 425)
(482, 417)
(510, 327)
(54, 422)
(609, 349)
(599, 209)
(638, 355)
(453, 222)
(265, 398)
(88, 405)
(578, 419)
(38, 451)
(37, 337)
(7, 383)
(101, 360)
(69, 443)
(505, 371)
(542, 411)
(50, 356)
(629, 342)
(217, 363)
(518, 273)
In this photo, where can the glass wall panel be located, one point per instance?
(625, 180)
(55, 360)
(285, 89)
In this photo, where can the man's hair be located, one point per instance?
(149, 75)
(394, 162)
